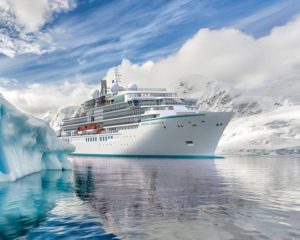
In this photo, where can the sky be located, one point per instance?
(54, 52)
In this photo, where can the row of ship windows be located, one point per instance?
(195, 125)
(151, 94)
(123, 128)
(95, 139)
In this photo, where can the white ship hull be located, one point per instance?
(194, 135)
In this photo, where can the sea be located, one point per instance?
(249, 197)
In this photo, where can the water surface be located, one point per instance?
(122, 198)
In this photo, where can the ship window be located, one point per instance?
(189, 143)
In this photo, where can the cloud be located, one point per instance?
(266, 65)
(38, 99)
(23, 22)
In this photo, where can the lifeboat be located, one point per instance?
(89, 129)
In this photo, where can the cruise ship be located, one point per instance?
(143, 122)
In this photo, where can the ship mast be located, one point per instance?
(117, 76)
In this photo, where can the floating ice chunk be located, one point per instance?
(28, 144)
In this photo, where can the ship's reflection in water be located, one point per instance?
(192, 199)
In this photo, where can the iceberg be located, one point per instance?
(28, 144)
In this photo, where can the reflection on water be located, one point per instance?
(43, 206)
(232, 198)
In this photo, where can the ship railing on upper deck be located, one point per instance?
(147, 89)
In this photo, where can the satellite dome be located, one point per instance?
(132, 86)
(95, 93)
(114, 88)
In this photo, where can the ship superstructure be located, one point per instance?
(144, 122)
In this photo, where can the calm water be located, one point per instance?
(112, 198)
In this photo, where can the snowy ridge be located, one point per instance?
(27, 144)
(270, 133)
(217, 96)
(55, 118)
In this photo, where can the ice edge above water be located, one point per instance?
(28, 144)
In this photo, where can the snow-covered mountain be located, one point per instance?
(55, 118)
(217, 96)
(262, 125)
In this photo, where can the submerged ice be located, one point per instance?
(27, 144)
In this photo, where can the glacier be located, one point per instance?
(28, 144)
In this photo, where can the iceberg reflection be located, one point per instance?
(25, 203)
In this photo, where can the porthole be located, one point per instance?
(189, 143)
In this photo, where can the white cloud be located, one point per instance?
(38, 99)
(23, 20)
(267, 65)
(263, 66)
